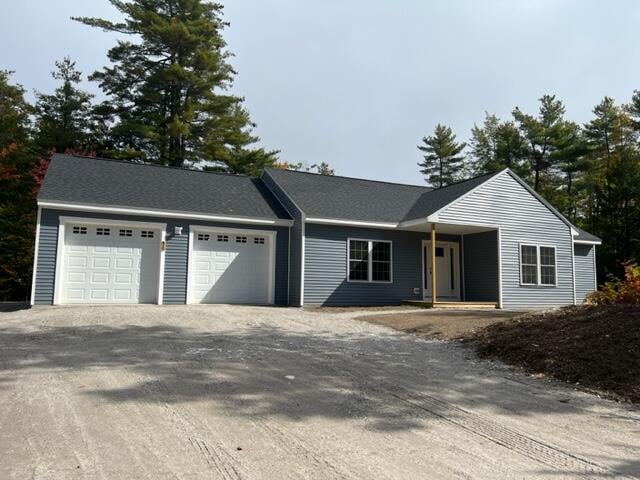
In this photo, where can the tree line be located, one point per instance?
(589, 172)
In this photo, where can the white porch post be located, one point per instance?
(433, 264)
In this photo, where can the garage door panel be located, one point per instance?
(237, 270)
(110, 267)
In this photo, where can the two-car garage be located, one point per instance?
(106, 262)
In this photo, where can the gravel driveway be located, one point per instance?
(222, 392)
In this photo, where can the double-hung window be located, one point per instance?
(537, 265)
(369, 261)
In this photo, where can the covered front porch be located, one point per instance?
(460, 266)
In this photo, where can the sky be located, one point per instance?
(358, 83)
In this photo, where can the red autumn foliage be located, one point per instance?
(624, 290)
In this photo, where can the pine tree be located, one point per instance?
(63, 119)
(442, 160)
(497, 145)
(543, 133)
(168, 89)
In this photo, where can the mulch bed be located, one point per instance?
(596, 348)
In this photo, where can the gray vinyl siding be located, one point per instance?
(296, 241)
(45, 272)
(176, 254)
(585, 270)
(481, 266)
(504, 202)
(325, 272)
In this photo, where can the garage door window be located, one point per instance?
(146, 233)
(241, 239)
(203, 236)
(258, 240)
(124, 232)
(223, 238)
(103, 231)
(77, 230)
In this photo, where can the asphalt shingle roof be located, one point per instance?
(348, 198)
(98, 181)
(366, 200)
(586, 236)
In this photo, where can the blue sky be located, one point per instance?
(357, 83)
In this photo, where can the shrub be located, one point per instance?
(619, 290)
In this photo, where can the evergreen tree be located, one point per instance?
(442, 160)
(543, 134)
(168, 89)
(497, 145)
(63, 119)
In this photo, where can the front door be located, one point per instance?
(447, 270)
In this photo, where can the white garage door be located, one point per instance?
(227, 267)
(109, 264)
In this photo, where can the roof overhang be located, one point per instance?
(150, 212)
(587, 242)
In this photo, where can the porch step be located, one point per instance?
(452, 305)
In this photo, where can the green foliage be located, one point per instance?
(497, 145)
(625, 290)
(168, 88)
(63, 119)
(17, 200)
(442, 160)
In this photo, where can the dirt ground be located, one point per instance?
(190, 392)
(439, 324)
(593, 347)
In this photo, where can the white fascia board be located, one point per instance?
(160, 213)
(352, 223)
(588, 242)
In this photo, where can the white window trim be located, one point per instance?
(63, 220)
(370, 261)
(538, 265)
(272, 235)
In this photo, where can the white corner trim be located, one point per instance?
(573, 273)
(499, 267)
(352, 223)
(35, 257)
(161, 213)
(303, 246)
(163, 248)
(595, 271)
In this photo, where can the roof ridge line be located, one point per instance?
(352, 178)
(129, 162)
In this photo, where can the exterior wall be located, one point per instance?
(522, 218)
(481, 266)
(326, 266)
(297, 240)
(176, 254)
(585, 270)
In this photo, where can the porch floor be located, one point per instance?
(451, 304)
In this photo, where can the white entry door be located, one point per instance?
(109, 264)
(231, 267)
(447, 270)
